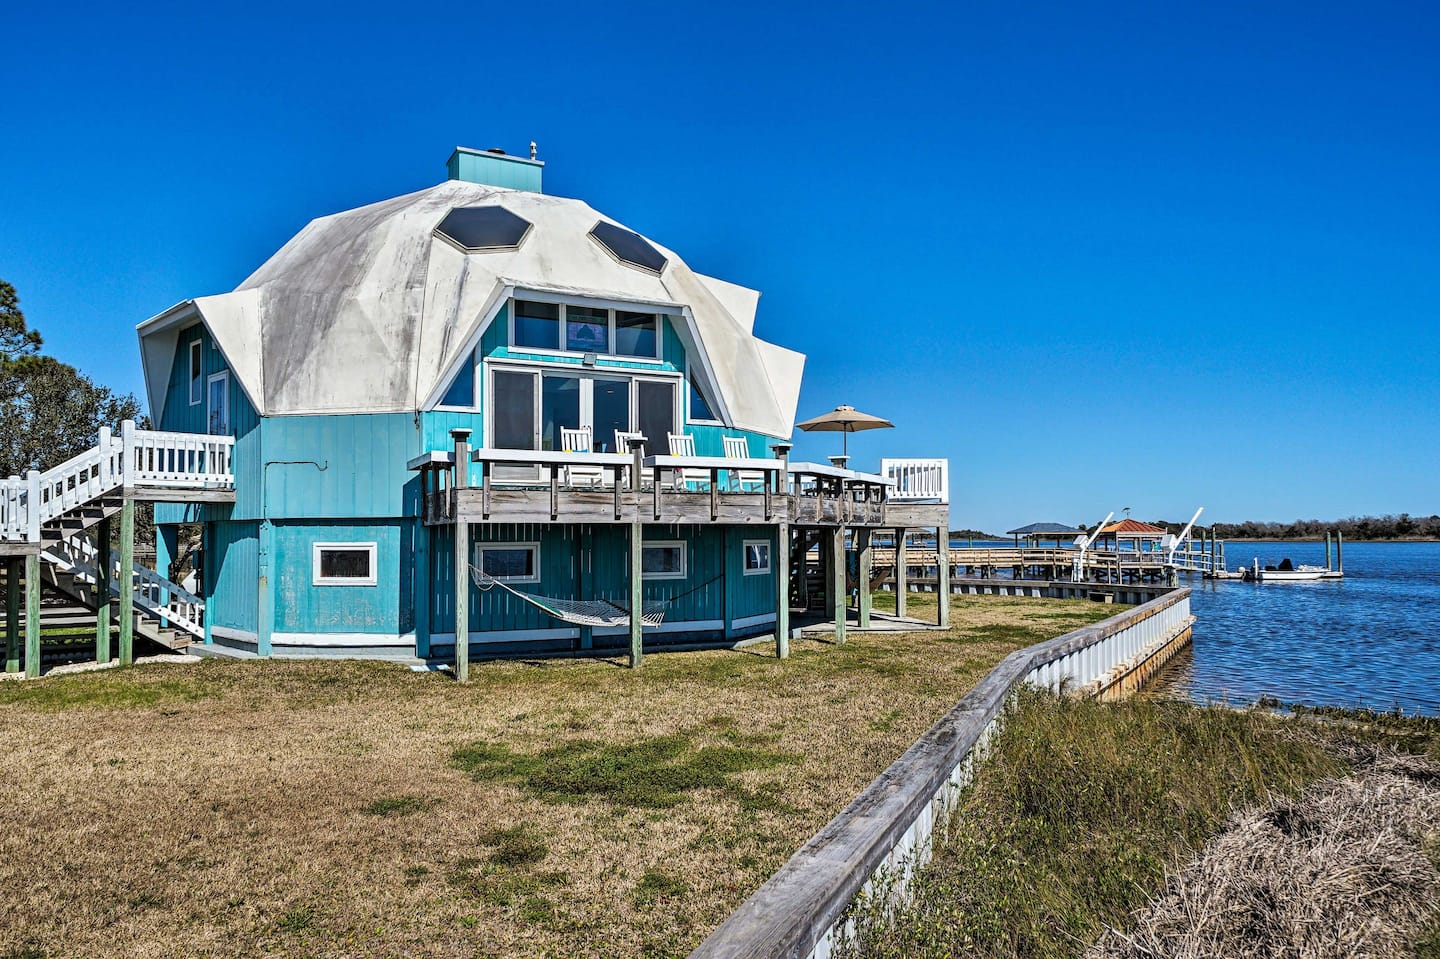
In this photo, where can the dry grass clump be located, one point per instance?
(548, 808)
(1346, 871)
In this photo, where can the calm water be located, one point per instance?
(1371, 639)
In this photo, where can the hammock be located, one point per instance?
(582, 612)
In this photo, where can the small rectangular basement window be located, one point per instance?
(663, 560)
(509, 562)
(344, 564)
(757, 557)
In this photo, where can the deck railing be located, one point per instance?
(555, 480)
(918, 480)
(148, 458)
(168, 602)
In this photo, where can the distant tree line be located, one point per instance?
(1403, 526)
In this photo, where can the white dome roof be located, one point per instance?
(365, 311)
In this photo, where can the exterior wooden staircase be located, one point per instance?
(58, 521)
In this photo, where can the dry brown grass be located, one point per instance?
(313, 809)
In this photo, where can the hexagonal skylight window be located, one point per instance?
(629, 248)
(476, 229)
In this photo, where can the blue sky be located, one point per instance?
(1156, 256)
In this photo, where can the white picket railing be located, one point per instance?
(178, 460)
(152, 458)
(918, 480)
(171, 604)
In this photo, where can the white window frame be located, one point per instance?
(666, 544)
(478, 558)
(316, 579)
(560, 350)
(223, 375)
(197, 371)
(587, 375)
(745, 557)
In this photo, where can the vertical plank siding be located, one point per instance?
(232, 565)
(303, 607)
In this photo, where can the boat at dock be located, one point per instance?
(1286, 572)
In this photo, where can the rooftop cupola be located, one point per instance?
(495, 167)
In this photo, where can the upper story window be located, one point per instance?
(197, 372)
(536, 325)
(574, 328)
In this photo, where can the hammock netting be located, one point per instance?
(581, 612)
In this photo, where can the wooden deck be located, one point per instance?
(660, 490)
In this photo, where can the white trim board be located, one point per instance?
(340, 640)
(745, 622)
(695, 626)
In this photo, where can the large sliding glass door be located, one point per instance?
(655, 408)
(529, 408)
(609, 412)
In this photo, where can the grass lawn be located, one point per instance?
(558, 807)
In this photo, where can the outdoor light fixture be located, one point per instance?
(589, 359)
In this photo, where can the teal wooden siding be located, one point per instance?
(591, 562)
(178, 414)
(752, 595)
(232, 564)
(339, 466)
(479, 166)
(302, 607)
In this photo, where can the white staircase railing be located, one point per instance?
(170, 603)
(151, 458)
(918, 480)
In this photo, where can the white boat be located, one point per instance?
(1285, 573)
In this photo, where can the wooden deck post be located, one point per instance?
(461, 437)
(942, 577)
(782, 591)
(126, 582)
(637, 594)
(32, 615)
(584, 584)
(12, 616)
(839, 600)
(863, 537)
(422, 587)
(102, 592)
(901, 572)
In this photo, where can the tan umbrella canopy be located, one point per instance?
(847, 420)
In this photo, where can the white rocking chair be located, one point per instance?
(736, 448)
(578, 441)
(683, 444)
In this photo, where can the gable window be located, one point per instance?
(343, 564)
(700, 410)
(537, 324)
(587, 330)
(218, 421)
(757, 557)
(197, 372)
(636, 334)
(461, 394)
(576, 328)
(663, 560)
(509, 562)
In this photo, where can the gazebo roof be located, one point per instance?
(1044, 529)
(1134, 526)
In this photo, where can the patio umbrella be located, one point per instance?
(847, 420)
